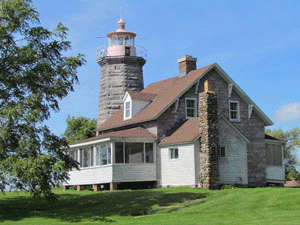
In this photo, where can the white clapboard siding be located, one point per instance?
(91, 175)
(233, 167)
(134, 172)
(181, 171)
(113, 173)
(275, 173)
(197, 160)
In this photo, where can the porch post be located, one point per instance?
(95, 187)
(79, 187)
(113, 186)
(112, 147)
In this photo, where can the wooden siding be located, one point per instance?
(113, 173)
(91, 175)
(197, 160)
(275, 174)
(180, 171)
(137, 106)
(233, 167)
(134, 172)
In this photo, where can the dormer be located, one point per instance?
(134, 102)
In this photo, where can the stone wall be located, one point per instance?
(118, 75)
(209, 160)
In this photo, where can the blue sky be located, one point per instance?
(256, 42)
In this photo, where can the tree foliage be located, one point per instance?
(34, 76)
(79, 128)
(292, 145)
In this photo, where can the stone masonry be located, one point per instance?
(208, 119)
(118, 75)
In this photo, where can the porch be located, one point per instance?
(113, 161)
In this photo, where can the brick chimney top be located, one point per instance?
(186, 64)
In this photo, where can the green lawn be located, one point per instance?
(155, 206)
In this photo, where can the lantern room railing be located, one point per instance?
(140, 52)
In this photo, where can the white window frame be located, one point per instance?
(82, 159)
(99, 157)
(127, 109)
(172, 153)
(195, 110)
(237, 111)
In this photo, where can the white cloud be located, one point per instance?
(289, 112)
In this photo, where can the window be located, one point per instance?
(221, 151)
(127, 112)
(190, 107)
(103, 155)
(86, 157)
(134, 152)
(234, 111)
(274, 154)
(173, 153)
(74, 154)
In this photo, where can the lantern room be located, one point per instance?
(121, 42)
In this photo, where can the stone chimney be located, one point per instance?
(208, 118)
(186, 64)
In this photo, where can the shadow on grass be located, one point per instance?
(74, 207)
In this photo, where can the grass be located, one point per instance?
(155, 206)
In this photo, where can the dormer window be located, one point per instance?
(190, 108)
(134, 102)
(127, 110)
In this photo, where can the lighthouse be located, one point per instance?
(121, 70)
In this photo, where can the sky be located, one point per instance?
(256, 42)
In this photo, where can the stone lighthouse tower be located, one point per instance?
(121, 70)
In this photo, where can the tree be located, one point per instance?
(79, 128)
(292, 145)
(34, 76)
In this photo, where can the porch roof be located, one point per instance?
(137, 133)
(186, 133)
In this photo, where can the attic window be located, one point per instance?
(127, 110)
(190, 107)
(234, 111)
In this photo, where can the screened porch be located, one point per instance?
(115, 161)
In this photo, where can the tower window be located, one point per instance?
(234, 111)
(127, 51)
(190, 107)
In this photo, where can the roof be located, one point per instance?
(141, 96)
(269, 137)
(186, 133)
(166, 91)
(137, 132)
